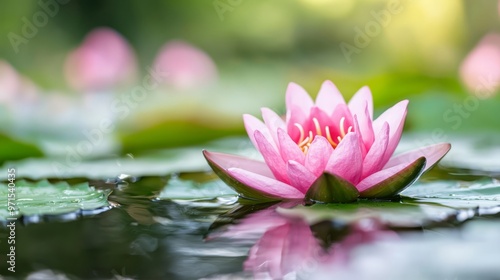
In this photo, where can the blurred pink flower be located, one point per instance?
(326, 150)
(480, 70)
(104, 60)
(187, 67)
(13, 86)
(10, 83)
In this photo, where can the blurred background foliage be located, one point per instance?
(257, 47)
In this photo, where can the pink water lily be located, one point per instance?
(327, 150)
(188, 67)
(104, 60)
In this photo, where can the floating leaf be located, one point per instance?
(159, 163)
(403, 214)
(178, 188)
(422, 204)
(198, 131)
(11, 149)
(34, 200)
(483, 194)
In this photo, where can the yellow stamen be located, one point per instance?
(301, 129)
(305, 142)
(316, 125)
(342, 131)
(329, 137)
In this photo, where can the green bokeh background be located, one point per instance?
(260, 46)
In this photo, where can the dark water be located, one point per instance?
(145, 237)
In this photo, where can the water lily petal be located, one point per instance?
(329, 97)
(373, 161)
(323, 120)
(271, 156)
(395, 117)
(391, 181)
(300, 177)
(432, 154)
(318, 155)
(346, 160)
(220, 163)
(289, 150)
(273, 122)
(295, 116)
(332, 188)
(341, 111)
(253, 124)
(365, 127)
(362, 100)
(226, 161)
(297, 97)
(362, 146)
(265, 184)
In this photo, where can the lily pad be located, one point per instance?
(422, 204)
(33, 200)
(155, 136)
(483, 195)
(158, 163)
(475, 153)
(178, 188)
(11, 149)
(401, 214)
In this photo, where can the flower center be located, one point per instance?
(305, 141)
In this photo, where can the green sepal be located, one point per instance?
(331, 188)
(397, 182)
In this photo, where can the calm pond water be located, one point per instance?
(189, 225)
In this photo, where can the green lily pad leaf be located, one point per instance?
(178, 188)
(243, 189)
(44, 198)
(157, 163)
(11, 149)
(154, 137)
(331, 188)
(483, 195)
(396, 183)
(403, 214)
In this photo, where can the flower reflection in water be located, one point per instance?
(284, 250)
(289, 248)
